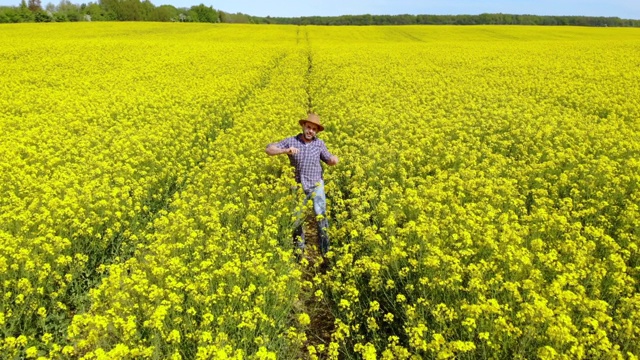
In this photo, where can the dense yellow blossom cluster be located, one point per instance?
(486, 203)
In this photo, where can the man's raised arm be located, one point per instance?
(272, 149)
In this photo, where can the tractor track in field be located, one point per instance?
(322, 320)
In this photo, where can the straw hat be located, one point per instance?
(314, 119)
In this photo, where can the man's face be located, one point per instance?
(310, 130)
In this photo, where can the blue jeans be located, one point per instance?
(318, 196)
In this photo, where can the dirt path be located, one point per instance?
(319, 311)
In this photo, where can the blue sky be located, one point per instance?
(626, 9)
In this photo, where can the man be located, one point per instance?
(305, 151)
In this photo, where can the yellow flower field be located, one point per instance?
(486, 204)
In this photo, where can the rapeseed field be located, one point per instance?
(486, 204)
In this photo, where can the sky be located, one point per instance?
(626, 9)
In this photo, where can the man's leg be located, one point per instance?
(298, 238)
(320, 208)
(298, 230)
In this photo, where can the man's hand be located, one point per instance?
(292, 151)
(333, 160)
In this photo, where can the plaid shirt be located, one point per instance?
(306, 162)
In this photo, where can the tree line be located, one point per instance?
(482, 19)
(113, 10)
(144, 10)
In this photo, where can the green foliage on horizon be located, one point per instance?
(482, 19)
(108, 10)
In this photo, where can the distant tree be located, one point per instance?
(8, 14)
(166, 13)
(60, 17)
(42, 16)
(67, 11)
(24, 14)
(148, 11)
(124, 10)
(204, 14)
(67, 6)
(97, 13)
(508, 19)
(427, 19)
(34, 5)
(404, 19)
(237, 18)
